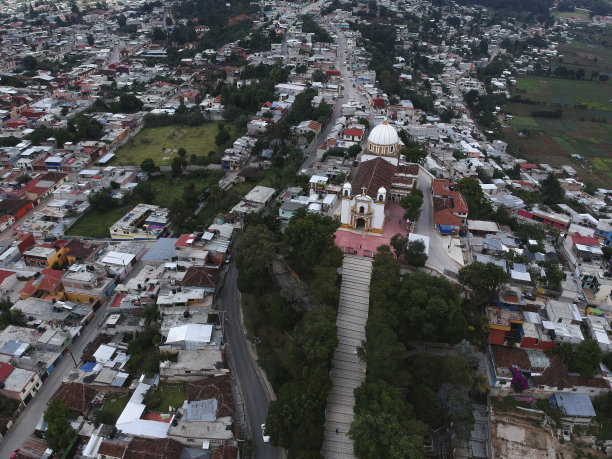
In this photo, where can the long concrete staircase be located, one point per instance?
(347, 371)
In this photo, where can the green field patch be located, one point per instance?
(599, 164)
(599, 105)
(162, 143)
(561, 100)
(96, 224)
(576, 14)
(524, 122)
(551, 124)
(599, 114)
(528, 84)
(166, 396)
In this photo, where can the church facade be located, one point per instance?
(380, 179)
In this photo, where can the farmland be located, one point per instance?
(577, 121)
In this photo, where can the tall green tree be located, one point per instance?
(415, 254)
(588, 356)
(309, 235)
(148, 165)
(412, 204)
(478, 206)
(399, 244)
(552, 192)
(256, 250)
(314, 340)
(483, 279)
(59, 432)
(384, 425)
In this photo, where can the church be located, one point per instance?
(380, 179)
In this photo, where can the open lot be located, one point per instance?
(519, 433)
(584, 129)
(162, 143)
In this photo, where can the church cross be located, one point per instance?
(363, 190)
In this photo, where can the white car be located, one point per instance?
(266, 438)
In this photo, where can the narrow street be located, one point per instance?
(438, 244)
(253, 393)
(25, 424)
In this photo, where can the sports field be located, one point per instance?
(162, 143)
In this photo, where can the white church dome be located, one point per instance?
(382, 190)
(383, 134)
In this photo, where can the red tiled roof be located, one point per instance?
(49, 280)
(5, 274)
(585, 240)
(446, 217)
(408, 169)
(200, 276)
(5, 370)
(314, 125)
(442, 187)
(144, 448)
(497, 337)
(529, 166)
(76, 396)
(372, 175)
(182, 241)
(217, 387)
(224, 452)
(556, 375)
(507, 356)
(113, 448)
(353, 132)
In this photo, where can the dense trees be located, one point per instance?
(295, 420)
(384, 424)
(256, 250)
(483, 279)
(309, 235)
(435, 390)
(478, 205)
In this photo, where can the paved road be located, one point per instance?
(438, 245)
(253, 392)
(25, 424)
(349, 93)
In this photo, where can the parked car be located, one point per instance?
(266, 438)
(529, 296)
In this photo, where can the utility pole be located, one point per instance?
(70, 352)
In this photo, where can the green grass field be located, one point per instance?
(96, 224)
(161, 143)
(112, 409)
(578, 13)
(523, 122)
(165, 396)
